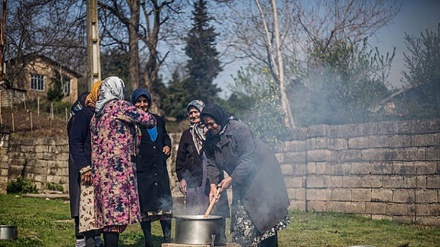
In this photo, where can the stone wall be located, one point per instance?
(380, 170)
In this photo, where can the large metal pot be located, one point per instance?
(8, 232)
(195, 229)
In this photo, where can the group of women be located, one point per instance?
(127, 169)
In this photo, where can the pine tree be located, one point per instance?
(203, 65)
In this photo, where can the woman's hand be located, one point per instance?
(182, 186)
(166, 150)
(86, 178)
(225, 184)
(214, 192)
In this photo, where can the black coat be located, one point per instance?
(151, 168)
(257, 180)
(79, 153)
(188, 161)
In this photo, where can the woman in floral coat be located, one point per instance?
(113, 159)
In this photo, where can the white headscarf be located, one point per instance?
(112, 88)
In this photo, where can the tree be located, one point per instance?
(203, 64)
(344, 85)
(423, 75)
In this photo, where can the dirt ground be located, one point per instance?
(26, 123)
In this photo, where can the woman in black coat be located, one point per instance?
(191, 167)
(154, 147)
(260, 200)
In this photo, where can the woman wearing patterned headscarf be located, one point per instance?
(113, 159)
(260, 200)
(191, 168)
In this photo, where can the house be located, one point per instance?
(32, 76)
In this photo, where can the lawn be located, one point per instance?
(44, 222)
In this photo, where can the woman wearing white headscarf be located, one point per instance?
(113, 159)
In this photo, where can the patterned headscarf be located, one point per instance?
(197, 130)
(112, 88)
(94, 94)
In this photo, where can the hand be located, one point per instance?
(182, 186)
(225, 183)
(214, 192)
(86, 178)
(166, 150)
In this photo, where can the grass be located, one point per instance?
(44, 222)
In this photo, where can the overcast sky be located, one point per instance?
(414, 17)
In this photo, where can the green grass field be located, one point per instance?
(44, 222)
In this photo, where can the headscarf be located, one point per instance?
(112, 88)
(76, 107)
(134, 97)
(220, 115)
(197, 130)
(92, 97)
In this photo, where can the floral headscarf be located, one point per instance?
(112, 88)
(197, 130)
(92, 97)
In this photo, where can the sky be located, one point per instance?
(414, 18)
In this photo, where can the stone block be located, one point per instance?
(294, 182)
(323, 195)
(351, 155)
(432, 153)
(381, 195)
(286, 169)
(321, 155)
(426, 167)
(428, 220)
(425, 140)
(351, 182)
(336, 206)
(404, 196)
(427, 196)
(41, 149)
(299, 169)
(433, 182)
(393, 182)
(334, 181)
(378, 141)
(409, 154)
(295, 157)
(376, 154)
(341, 195)
(315, 182)
(295, 146)
(375, 208)
(360, 168)
(399, 141)
(395, 209)
(319, 206)
(372, 181)
(339, 144)
(361, 195)
(358, 142)
(355, 207)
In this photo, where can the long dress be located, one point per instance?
(113, 163)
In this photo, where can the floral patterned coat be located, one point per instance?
(113, 162)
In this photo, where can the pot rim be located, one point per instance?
(197, 217)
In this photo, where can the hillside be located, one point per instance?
(26, 123)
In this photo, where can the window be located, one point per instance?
(66, 87)
(37, 82)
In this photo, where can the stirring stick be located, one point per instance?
(211, 204)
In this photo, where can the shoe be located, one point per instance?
(80, 243)
(98, 242)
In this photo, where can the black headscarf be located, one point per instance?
(220, 115)
(76, 107)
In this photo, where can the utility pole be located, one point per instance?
(2, 41)
(94, 74)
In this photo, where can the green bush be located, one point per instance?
(21, 186)
(54, 186)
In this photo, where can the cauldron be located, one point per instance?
(196, 229)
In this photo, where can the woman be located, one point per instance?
(191, 167)
(80, 151)
(154, 189)
(260, 200)
(113, 159)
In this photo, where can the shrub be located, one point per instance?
(21, 186)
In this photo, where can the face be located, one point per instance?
(212, 126)
(142, 103)
(193, 114)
